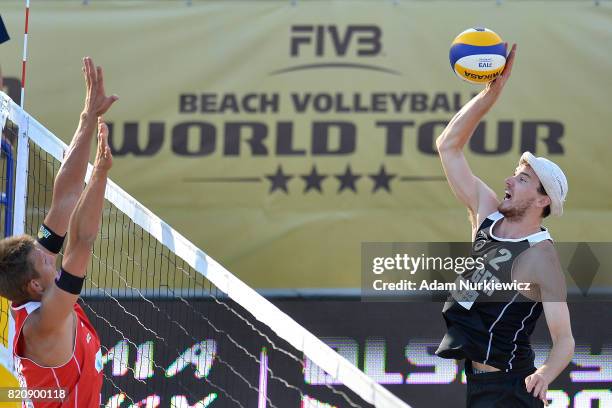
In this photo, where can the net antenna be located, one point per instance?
(259, 314)
(25, 52)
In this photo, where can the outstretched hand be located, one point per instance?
(495, 87)
(104, 157)
(96, 101)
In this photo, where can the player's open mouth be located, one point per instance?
(507, 196)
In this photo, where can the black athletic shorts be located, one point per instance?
(499, 389)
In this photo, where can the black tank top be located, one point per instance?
(487, 327)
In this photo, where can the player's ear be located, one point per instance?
(543, 201)
(34, 288)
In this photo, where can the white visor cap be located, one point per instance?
(552, 178)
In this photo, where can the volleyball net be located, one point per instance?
(177, 328)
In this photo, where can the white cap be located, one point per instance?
(552, 178)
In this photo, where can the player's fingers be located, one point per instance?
(528, 383)
(100, 79)
(92, 72)
(512, 54)
(108, 102)
(102, 134)
(537, 388)
(542, 394)
(103, 145)
(87, 67)
(108, 155)
(503, 76)
(105, 135)
(85, 71)
(510, 60)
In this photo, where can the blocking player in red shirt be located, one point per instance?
(55, 345)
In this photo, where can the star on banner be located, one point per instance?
(382, 179)
(278, 180)
(347, 180)
(313, 180)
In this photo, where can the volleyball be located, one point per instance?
(478, 55)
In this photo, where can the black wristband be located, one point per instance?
(70, 283)
(49, 239)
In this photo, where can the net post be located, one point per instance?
(21, 176)
(19, 200)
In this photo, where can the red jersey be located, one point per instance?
(80, 376)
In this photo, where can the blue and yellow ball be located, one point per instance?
(478, 55)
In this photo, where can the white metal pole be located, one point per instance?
(21, 176)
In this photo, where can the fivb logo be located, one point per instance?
(332, 40)
(331, 45)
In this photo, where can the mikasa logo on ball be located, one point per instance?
(472, 75)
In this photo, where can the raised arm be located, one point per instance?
(469, 189)
(68, 184)
(59, 299)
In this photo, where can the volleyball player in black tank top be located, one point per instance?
(490, 329)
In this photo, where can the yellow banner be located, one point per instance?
(279, 137)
